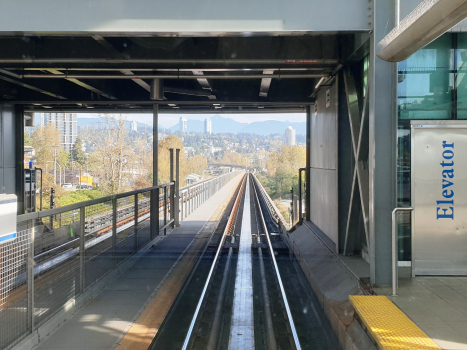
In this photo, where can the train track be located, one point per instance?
(239, 295)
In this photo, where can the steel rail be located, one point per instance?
(208, 279)
(284, 296)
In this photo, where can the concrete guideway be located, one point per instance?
(122, 315)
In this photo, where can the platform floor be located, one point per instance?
(102, 322)
(438, 305)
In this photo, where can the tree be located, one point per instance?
(27, 139)
(197, 165)
(112, 158)
(77, 154)
(283, 166)
(46, 141)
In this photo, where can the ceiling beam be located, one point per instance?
(170, 76)
(109, 47)
(83, 85)
(265, 83)
(27, 86)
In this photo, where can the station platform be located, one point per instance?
(126, 314)
(437, 305)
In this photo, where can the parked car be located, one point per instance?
(67, 186)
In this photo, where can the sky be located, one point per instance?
(168, 120)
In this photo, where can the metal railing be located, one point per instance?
(50, 264)
(395, 260)
(192, 196)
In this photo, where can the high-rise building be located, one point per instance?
(134, 126)
(208, 126)
(290, 136)
(66, 123)
(183, 126)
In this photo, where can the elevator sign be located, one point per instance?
(8, 212)
(439, 197)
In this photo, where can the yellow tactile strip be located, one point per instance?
(388, 325)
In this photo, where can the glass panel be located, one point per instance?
(426, 82)
(461, 76)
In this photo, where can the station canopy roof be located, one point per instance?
(94, 73)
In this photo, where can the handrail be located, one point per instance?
(49, 212)
(395, 259)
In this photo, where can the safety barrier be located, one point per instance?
(50, 264)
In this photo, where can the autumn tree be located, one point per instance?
(46, 141)
(235, 158)
(283, 166)
(113, 157)
(197, 165)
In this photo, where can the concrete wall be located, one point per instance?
(7, 150)
(149, 16)
(323, 163)
(12, 152)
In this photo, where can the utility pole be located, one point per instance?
(55, 165)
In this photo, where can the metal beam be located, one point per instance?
(265, 83)
(27, 86)
(429, 20)
(190, 62)
(171, 110)
(169, 76)
(116, 53)
(59, 74)
(168, 102)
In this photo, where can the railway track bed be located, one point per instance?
(245, 291)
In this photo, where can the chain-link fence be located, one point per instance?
(61, 252)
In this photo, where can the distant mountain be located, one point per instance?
(269, 127)
(91, 122)
(221, 125)
(191, 126)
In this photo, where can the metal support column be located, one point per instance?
(114, 230)
(154, 200)
(172, 188)
(165, 210)
(30, 278)
(300, 194)
(177, 188)
(135, 226)
(82, 248)
(382, 80)
(308, 164)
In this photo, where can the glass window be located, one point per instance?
(426, 80)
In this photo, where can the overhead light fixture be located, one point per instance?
(175, 107)
(216, 104)
(89, 107)
(217, 107)
(320, 82)
(46, 106)
(429, 20)
(260, 106)
(172, 105)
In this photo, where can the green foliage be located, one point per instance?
(77, 154)
(77, 196)
(27, 139)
